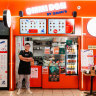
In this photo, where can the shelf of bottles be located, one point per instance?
(71, 59)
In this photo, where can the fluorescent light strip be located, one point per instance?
(53, 16)
(82, 80)
(89, 17)
(11, 57)
(40, 16)
(82, 33)
(82, 49)
(43, 16)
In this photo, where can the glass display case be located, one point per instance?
(55, 54)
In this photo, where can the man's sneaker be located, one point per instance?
(29, 91)
(19, 91)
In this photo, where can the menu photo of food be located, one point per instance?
(62, 70)
(54, 73)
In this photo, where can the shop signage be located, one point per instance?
(91, 46)
(58, 12)
(46, 8)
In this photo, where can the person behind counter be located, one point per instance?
(24, 70)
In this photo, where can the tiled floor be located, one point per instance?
(45, 92)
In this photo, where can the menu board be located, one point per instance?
(87, 59)
(56, 26)
(33, 26)
(61, 26)
(3, 63)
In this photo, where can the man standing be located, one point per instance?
(24, 70)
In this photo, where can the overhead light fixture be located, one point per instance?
(7, 18)
(91, 27)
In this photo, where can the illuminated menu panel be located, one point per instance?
(61, 26)
(33, 26)
(56, 26)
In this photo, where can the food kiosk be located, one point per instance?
(57, 29)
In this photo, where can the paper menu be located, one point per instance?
(34, 72)
(3, 45)
(3, 63)
(87, 59)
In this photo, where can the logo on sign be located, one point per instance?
(42, 30)
(55, 31)
(33, 31)
(3, 82)
(46, 8)
(2, 42)
(58, 12)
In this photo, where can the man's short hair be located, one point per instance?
(27, 44)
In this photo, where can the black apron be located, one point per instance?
(24, 67)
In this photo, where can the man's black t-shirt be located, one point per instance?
(25, 67)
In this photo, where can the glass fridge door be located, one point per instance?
(71, 60)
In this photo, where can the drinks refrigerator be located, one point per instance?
(71, 59)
